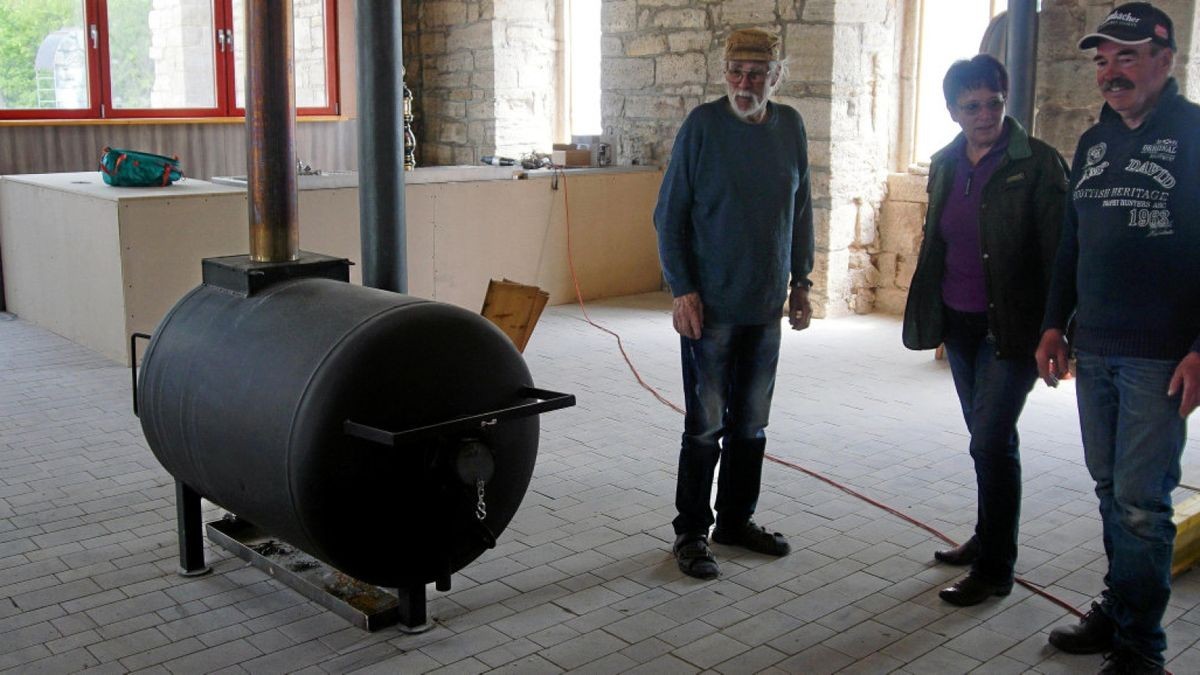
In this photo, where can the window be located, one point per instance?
(583, 70)
(80, 59)
(950, 30)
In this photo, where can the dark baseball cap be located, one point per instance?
(1133, 23)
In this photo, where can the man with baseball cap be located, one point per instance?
(735, 231)
(1127, 270)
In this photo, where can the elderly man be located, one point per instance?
(734, 221)
(1127, 268)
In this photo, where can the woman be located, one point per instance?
(996, 200)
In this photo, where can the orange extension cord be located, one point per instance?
(783, 462)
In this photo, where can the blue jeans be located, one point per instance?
(992, 393)
(728, 381)
(1133, 440)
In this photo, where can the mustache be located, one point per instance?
(1117, 82)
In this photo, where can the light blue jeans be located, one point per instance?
(1133, 439)
(728, 381)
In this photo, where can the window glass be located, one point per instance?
(951, 30)
(308, 49)
(43, 55)
(584, 43)
(161, 54)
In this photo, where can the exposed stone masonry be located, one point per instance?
(1067, 99)
(483, 75)
(902, 218)
(661, 58)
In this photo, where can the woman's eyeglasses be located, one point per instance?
(973, 108)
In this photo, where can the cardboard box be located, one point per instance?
(571, 157)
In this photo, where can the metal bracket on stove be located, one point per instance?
(545, 401)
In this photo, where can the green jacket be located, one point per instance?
(1020, 218)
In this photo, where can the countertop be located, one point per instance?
(91, 184)
(437, 174)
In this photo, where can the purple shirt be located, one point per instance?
(963, 285)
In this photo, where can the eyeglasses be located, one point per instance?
(973, 108)
(754, 75)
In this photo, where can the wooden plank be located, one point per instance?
(514, 308)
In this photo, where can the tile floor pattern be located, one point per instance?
(582, 580)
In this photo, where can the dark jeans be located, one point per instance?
(728, 381)
(1133, 440)
(992, 393)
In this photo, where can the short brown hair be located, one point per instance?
(981, 72)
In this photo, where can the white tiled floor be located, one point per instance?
(582, 580)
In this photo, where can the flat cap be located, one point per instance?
(751, 44)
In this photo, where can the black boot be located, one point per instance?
(963, 554)
(1092, 635)
(972, 590)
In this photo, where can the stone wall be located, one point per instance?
(901, 220)
(526, 75)
(863, 119)
(661, 58)
(448, 56)
(1067, 99)
(483, 76)
(181, 39)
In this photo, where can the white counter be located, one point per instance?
(96, 263)
(329, 180)
(91, 184)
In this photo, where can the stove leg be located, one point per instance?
(411, 610)
(191, 534)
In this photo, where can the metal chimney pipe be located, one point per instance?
(381, 144)
(271, 132)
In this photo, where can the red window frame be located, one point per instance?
(100, 92)
(93, 110)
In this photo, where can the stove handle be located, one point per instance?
(544, 401)
(133, 367)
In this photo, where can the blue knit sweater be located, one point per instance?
(734, 214)
(1129, 260)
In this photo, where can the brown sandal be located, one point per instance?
(695, 558)
(753, 537)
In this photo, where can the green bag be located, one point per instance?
(131, 168)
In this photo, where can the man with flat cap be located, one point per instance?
(735, 233)
(1128, 269)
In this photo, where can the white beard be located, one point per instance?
(759, 103)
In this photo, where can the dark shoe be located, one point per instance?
(694, 557)
(964, 554)
(971, 590)
(752, 537)
(1128, 663)
(1092, 635)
